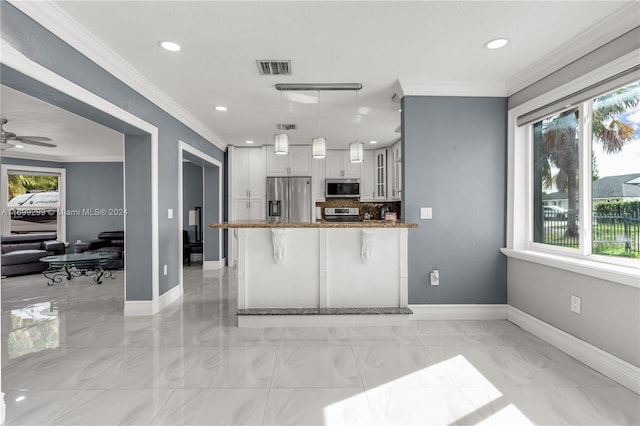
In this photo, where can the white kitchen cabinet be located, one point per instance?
(249, 173)
(296, 163)
(339, 165)
(367, 181)
(380, 174)
(395, 171)
(317, 178)
(250, 209)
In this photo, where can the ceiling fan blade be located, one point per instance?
(31, 138)
(30, 142)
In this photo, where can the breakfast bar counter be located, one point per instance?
(335, 267)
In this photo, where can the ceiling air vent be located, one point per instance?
(273, 67)
(282, 126)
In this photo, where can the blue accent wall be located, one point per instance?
(454, 161)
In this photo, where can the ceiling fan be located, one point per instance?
(10, 140)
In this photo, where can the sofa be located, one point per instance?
(21, 253)
(107, 241)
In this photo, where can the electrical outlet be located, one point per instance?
(170, 214)
(165, 269)
(576, 304)
(426, 213)
(435, 277)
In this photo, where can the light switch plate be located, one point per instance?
(170, 214)
(426, 213)
(576, 304)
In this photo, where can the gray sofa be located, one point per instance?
(21, 253)
(107, 241)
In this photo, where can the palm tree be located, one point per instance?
(559, 142)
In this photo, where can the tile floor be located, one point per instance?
(70, 357)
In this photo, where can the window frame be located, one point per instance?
(520, 244)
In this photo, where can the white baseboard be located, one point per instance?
(261, 321)
(138, 308)
(3, 409)
(214, 264)
(458, 312)
(626, 374)
(169, 297)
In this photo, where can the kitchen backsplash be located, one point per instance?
(373, 208)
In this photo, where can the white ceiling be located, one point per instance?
(373, 43)
(76, 138)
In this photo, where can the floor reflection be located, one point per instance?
(33, 328)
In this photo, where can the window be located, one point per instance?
(585, 180)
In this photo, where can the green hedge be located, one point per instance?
(632, 208)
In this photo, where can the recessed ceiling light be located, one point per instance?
(497, 43)
(19, 146)
(373, 142)
(170, 46)
(248, 142)
(221, 108)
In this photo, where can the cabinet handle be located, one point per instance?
(342, 173)
(288, 170)
(248, 205)
(249, 193)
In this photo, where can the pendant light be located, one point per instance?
(281, 140)
(356, 149)
(319, 144)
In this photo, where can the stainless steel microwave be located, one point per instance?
(342, 188)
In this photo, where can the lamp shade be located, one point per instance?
(281, 142)
(356, 152)
(319, 147)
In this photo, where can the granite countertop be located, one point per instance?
(316, 224)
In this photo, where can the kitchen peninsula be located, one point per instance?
(315, 273)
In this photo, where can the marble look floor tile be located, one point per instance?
(213, 407)
(308, 366)
(419, 406)
(401, 366)
(109, 407)
(32, 407)
(319, 406)
(234, 336)
(59, 370)
(330, 336)
(539, 406)
(156, 368)
(485, 366)
(232, 367)
(394, 335)
(445, 327)
(560, 370)
(606, 406)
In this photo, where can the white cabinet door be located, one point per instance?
(250, 210)
(317, 178)
(240, 176)
(367, 182)
(241, 209)
(339, 165)
(296, 163)
(395, 168)
(257, 171)
(333, 164)
(300, 160)
(380, 174)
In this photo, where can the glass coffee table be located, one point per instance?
(75, 265)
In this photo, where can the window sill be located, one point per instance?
(618, 274)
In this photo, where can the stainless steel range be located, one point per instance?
(342, 214)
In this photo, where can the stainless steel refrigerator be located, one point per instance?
(289, 199)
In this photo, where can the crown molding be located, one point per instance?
(57, 21)
(62, 158)
(427, 87)
(613, 26)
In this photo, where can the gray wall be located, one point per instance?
(610, 317)
(454, 160)
(211, 214)
(44, 48)
(191, 194)
(93, 185)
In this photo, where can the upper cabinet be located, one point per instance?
(380, 174)
(249, 172)
(338, 165)
(296, 163)
(394, 168)
(367, 181)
